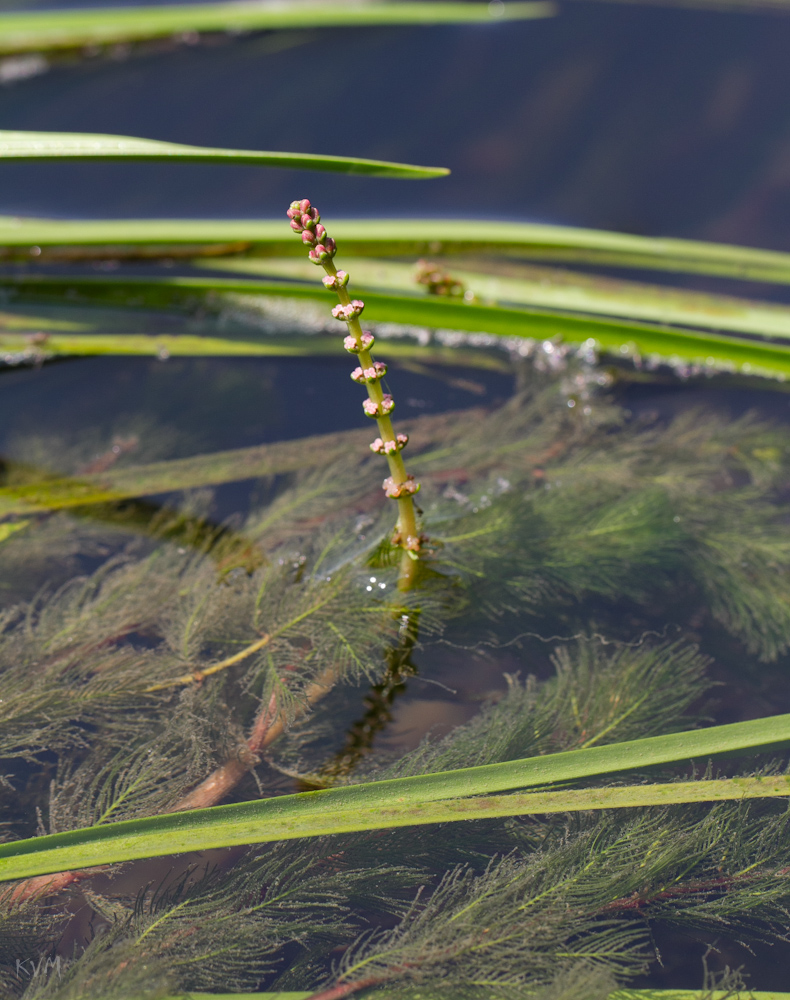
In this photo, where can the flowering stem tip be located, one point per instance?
(399, 485)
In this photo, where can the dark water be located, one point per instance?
(648, 120)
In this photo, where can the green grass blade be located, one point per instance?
(43, 31)
(285, 818)
(424, 799)
(550, 288)
(16, 349)
(437, 993)
(73, 145)
(616, 336)
(47, 493)
(407, 237)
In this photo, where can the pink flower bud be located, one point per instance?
(387, 404)
(331, 247)
(307, 222)
(395, 490)
(358, 375)
(329, 280)
(367, 340)
(296, 227)
(342, 278)
(391, 488)
(378, 446)
(339, 312)
(320, 232)
(375, 372)
(308, 237)
(304, 205)
(371, 409)
(350, 344)
(403, 440)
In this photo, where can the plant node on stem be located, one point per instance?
(399, 485)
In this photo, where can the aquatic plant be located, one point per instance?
(162, 676)
(167, 682)
(399, 485)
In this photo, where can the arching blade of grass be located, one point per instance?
(551, 288)
(68, 29)
(280, 819)
(35, 493)
(73, 145)
(481, 992)
(437, 993)
(616, 336)
(399, 237)
(16, 349)
(430, 798)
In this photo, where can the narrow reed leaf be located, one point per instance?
(77, 146)
(51, 30)
(16, 349)
(425, 799)
(404, 237)
(481, 993)
(552, 288)
(212, 469)
(618, 336)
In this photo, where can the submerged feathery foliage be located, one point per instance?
(130, 687)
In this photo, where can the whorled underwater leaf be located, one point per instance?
(72, 29)
(73, 145)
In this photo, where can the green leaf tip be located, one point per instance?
(87, 146)
(53, 30)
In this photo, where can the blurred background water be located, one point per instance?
(653, 120)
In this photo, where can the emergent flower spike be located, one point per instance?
(306, 221)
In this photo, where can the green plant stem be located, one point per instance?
(407, 518)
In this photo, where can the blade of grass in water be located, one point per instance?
(72, 145)
(49, 30)
(425, 799)
(404, 237)
(551, 288)
(617, 336)
(47, 493)
(473, 992)
(17, 349)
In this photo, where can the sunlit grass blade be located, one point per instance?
(551, 288)
(285, 818)
(43, 31)
(404, 237)
(74, 145)
(424, 799)
(617, 336)
(481, 992)
(17, 349)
